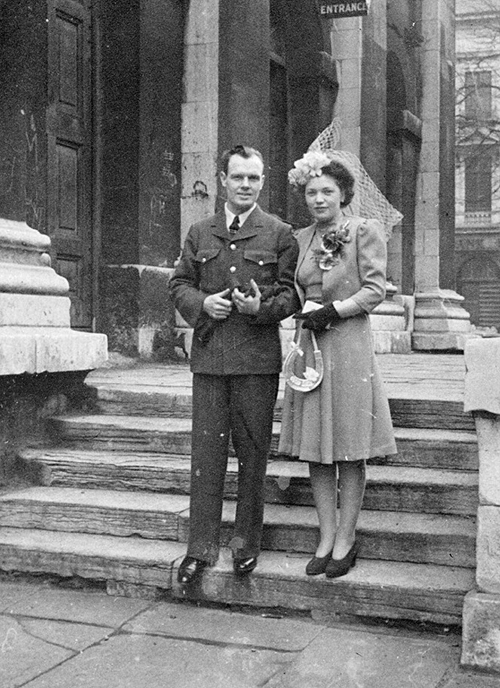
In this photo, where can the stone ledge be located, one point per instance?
(49, 349)
(440, 341)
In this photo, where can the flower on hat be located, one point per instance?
(310, 165)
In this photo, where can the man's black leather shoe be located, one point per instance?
(243, 566)
(190, 569)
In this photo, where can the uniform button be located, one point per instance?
(232, 247)
(232, 269)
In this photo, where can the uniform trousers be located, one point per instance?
(239, 407)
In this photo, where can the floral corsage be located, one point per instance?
(332, 243)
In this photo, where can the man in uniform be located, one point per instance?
(234, 284)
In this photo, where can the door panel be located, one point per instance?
(69, 151)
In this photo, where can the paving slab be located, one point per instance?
(340, 658)
(218, 626)
(23, 656)
(80, 607)
(10, 593)
(57, 639)
(134, 661)
(72, 636)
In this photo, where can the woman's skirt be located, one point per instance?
(347, 417)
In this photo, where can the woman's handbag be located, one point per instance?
(312, 376)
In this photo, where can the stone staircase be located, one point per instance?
(111, 503)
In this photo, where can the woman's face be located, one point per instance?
(323, 198)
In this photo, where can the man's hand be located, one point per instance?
(247, 304)
(217, 306)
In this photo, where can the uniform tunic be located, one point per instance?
(265, 250)
(236, 370)
(347, 417)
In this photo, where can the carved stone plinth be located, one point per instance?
(441, 322)
(35, 334)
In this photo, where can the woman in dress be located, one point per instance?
(346, 420)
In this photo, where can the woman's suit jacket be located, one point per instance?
(357, 283)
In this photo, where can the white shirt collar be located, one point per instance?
(243, 216)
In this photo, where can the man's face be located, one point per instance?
(243, 182)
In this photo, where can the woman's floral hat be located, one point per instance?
(368, 201)
(310, 165)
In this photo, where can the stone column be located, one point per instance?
(440, 320)
(139, 116)
(35, 334)
(200, 109)
(359, 49)
(481, 615)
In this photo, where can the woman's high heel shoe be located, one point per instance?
(318, 565)
(339, 567)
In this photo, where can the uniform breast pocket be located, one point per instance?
(206, 254)
(263, 265)
(209, 269)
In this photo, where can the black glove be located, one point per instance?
(319, 319)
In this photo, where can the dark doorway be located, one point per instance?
(69, 151)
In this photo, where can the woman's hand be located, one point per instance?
(247, 303)
(320, 319)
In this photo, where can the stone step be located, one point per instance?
(416, 446)
(389, 488)
(420, 592)
(420, 538)
(160, 400)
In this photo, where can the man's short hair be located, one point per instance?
(243, 151)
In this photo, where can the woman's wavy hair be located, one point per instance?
(343, 177)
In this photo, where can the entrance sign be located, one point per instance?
(337, 9)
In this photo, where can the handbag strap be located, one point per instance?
(314, 342)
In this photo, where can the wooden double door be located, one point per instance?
(70, 152)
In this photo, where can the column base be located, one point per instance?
(49, 350)
(389, 322)
(481, 621)
(440, 323)
(138, 314)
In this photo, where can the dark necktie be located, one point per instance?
(234, 226)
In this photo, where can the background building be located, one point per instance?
(478, 159)
(115, 112)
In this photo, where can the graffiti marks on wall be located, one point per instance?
(35, 209)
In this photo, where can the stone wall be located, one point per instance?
(26, 401)
(481, 616)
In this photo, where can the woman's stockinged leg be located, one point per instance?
(352, 479)
(324, 488)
